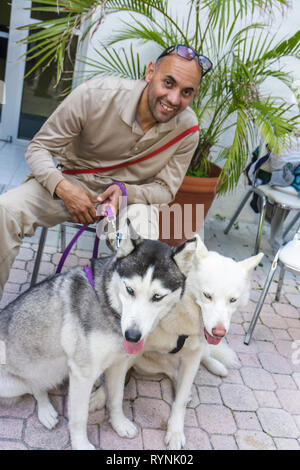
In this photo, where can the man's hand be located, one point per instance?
(79, 202)
(111, 197)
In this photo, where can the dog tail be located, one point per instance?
(217, 359)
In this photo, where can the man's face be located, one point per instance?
(172, 84)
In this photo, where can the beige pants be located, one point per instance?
(30, 205)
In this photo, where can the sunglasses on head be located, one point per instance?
(188, 53)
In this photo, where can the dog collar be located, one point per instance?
(180, 342)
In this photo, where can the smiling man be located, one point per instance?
(106, 122)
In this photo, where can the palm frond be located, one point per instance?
(116, 63)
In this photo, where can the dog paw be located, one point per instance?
(124, 427)
(48, 416)
(97, 399)
(175, 440)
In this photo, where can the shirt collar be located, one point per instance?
(129, 106)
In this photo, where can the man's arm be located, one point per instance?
(59, 130)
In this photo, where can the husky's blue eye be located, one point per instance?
(157, 298)
(129, 290)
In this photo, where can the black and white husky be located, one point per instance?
(70, 326)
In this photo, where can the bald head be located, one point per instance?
(192, 66)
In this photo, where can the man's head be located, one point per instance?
(172, 81)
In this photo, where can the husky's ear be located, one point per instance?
(131, 239)
(183, 255)
(201, 250)
(250, 264)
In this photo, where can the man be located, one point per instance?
(104, 122)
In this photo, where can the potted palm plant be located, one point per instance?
(230, 105)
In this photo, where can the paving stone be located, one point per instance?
(265, 346)
(277, 423)
(233, 377)
(223, 442)
(285, 348)
(294, 333)
(9, 445)
(167, 391)
(194, 397)
(22, 409)
(38, 437)
(275, 363)
(110, 440)
(267, 399)
(296, 377)
(294, 299)
(12, 288)
(247, 420)
(196, 439)
(11, 428)
(250, 360)
(285, 381)
(204, 377)
(257, 379)
(18, 276)
(25, 254)
(273, 320)
(254, 440)
(190, 418)
(151, 413)
(286, 444)
(238, 397)
(286, 310)
(98, 417)
(281, 334)
(130, 391)
(154, 439)
(209, 395)
(290, 400)
(216, 419)
(149, 388)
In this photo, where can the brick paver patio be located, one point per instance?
(256, 407)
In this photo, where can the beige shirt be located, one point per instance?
(95, 127)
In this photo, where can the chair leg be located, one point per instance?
(280, 283)
(38, 257)
(261, 300)
(63, 243)
(260, 225)
(238, 210)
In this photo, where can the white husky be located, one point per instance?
(216, 287)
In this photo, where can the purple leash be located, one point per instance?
(110, 216)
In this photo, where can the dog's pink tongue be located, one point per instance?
(211, 339)
(133, 348)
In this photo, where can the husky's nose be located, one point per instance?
(133, 335)
(219, 331)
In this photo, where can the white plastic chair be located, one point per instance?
(288, 257)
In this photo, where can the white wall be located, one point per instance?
(283, 26)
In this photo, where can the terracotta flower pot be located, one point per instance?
(185, 215)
